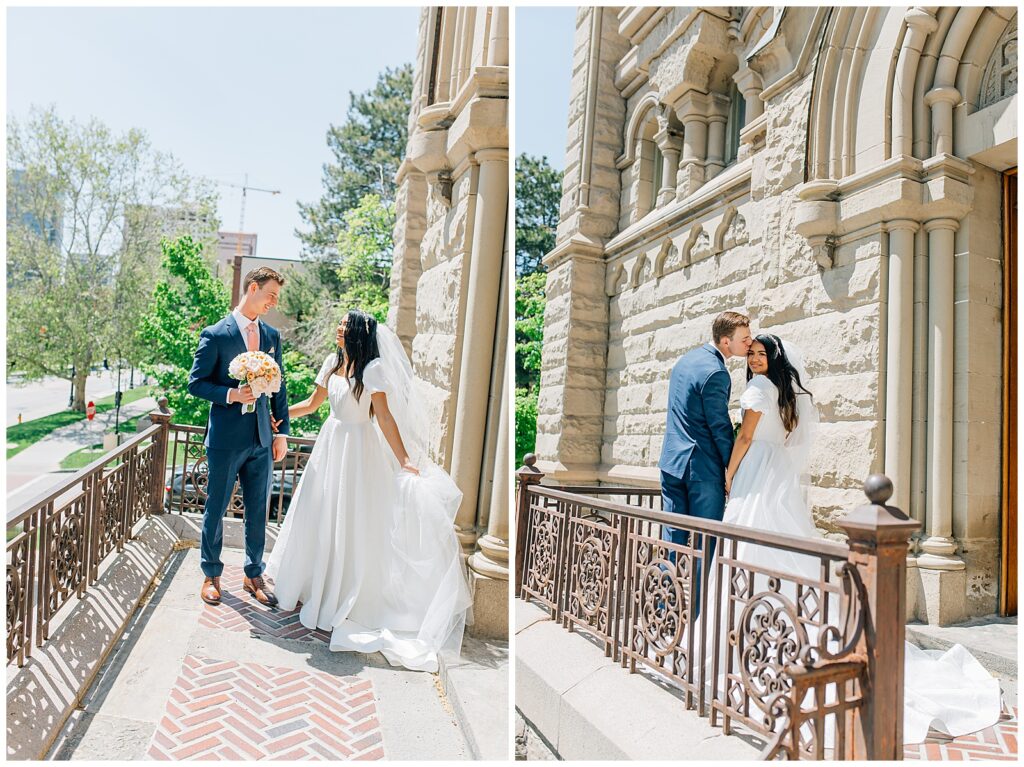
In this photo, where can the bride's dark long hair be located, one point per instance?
(360, 348)
(785, 377)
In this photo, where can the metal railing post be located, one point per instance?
(161, 417)
(525, 476)
(878, 539)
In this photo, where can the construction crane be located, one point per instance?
(241, 228)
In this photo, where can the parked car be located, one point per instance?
(186, 490)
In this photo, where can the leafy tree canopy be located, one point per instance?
(538, 194)
(366, 151)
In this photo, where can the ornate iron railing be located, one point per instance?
(187, 478)
(57, 540)
(791, 658)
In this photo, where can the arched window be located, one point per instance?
(737, 118)
(659, 169)
(647, 168)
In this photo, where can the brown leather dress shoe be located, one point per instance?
(258, 588)
(211, 590)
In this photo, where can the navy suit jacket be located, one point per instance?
(228, 428)
(698, 432)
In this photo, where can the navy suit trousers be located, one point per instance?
(253, 467)
(705, 500)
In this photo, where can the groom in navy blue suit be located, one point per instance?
(698, 432)
(240, 445)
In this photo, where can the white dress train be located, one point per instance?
(949, 690)
(367, 548)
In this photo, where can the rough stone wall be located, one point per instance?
(741, 241)
(754, 262)
(571, 402)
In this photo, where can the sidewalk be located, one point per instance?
(564, 684)
(32, 470)
(238, 681)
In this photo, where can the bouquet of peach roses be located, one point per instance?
(257, 370)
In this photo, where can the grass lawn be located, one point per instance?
(28, 433)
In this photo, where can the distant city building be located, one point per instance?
(23, 207)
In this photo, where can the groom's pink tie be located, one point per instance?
(252, 337)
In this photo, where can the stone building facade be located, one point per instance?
(448, 285)
(839, 175)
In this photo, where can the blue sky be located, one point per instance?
(544, 39)
(227, 90)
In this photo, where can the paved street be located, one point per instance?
(240, 681)
(37, 467)
(35, 399)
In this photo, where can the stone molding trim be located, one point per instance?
(902, 188)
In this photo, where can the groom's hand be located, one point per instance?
(243, 394)
(280, 447)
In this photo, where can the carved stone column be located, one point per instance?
(692, 112)
(940, 547)
(899, 357)
(941, 101)
(491, 560)
(718, 114)
(482, 298)
(749, 84)
(669, 143)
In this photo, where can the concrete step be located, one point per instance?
(476, 687)
(585, 706)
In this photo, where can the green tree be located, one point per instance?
(530, 301)
(360, 278)
(529, 337)
(300, 379)
(187, 299)
(538, 194)
(86, 209)
(367, 150)
(526, 423)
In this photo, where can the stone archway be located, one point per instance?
(934, 146)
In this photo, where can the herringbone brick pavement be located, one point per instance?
(239, 611)
(998, 743)
(230, 710)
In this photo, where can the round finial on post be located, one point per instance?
(162, 404)
(530, 459)
(878, 489)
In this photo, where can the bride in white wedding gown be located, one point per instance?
(949, 691)
(368, 546)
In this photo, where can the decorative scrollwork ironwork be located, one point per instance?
(593, 571)
(19, 553)
(836, 641)
(65, 552)
(768, 637)
(662, 611)
(541, 574)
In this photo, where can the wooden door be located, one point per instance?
(1008, 579)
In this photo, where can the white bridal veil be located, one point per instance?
(427, 565)
(801, 440)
